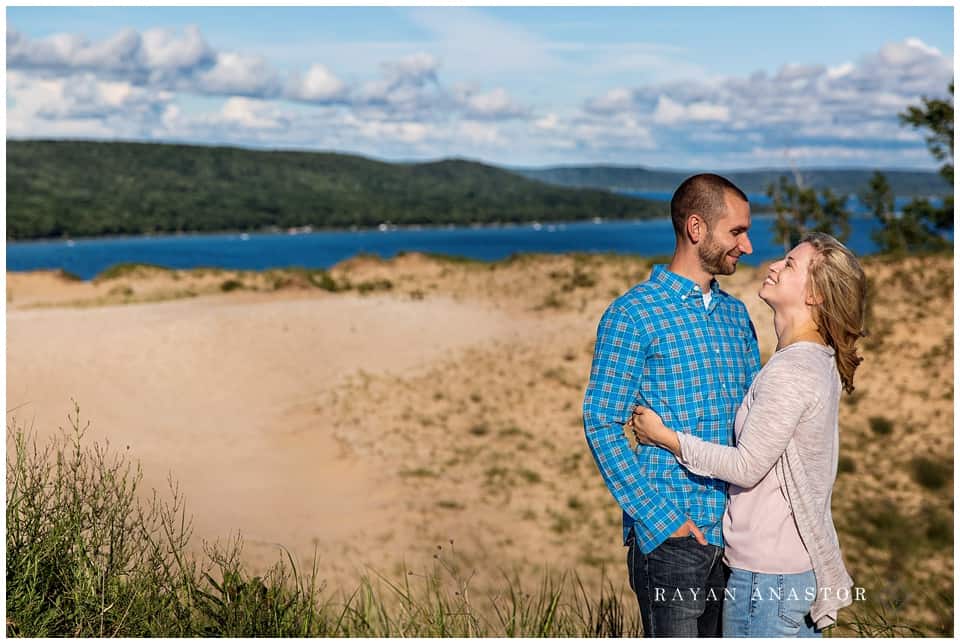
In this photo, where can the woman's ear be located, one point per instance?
(812, 299)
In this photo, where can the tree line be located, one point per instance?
(88, 188)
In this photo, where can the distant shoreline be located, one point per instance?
(309, 230)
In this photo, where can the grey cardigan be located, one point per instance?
(790, 424)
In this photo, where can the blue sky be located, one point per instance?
(678, 87)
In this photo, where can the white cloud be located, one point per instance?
(548, 122)
(408, 88)
(237, 74)
(670, 112)
(806, 153)
(81, 105)
(159, 55)
(252, 114)
(318, 85)
(128, 84)
(86, 97)
(839, 71)
(485, 134)
(618, 99)
(403, 131)
(417, 69)
(493, 105)
(813, 106)
(165, 49)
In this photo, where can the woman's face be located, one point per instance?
(786, 280)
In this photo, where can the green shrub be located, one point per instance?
(231, 285)
(480, 429)
(529, 475)
(322, 280)
(881, 426)
(67, 275)
(929, 473)
(579, 279)
(127, 269)
(120, 290)
(419, 472)
(846, 465)
(939, 527)
(374, 285)
(84, 557)
(551, 301)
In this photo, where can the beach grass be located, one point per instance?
(87, 556)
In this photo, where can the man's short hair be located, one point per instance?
(704, 194)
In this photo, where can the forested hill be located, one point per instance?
(86, 188)
(905, 183)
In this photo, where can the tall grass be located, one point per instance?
(87, 556)
(90, 555)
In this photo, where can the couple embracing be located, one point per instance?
(726, 498)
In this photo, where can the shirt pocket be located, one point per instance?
(668, 388)
(736, 345)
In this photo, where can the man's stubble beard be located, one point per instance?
(712, 257)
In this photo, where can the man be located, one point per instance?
(681, 346)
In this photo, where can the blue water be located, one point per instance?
(88, 257)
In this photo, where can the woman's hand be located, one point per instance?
(648, 429)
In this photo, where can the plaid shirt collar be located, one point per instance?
(679, 286)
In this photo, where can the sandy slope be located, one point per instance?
(374, 427)
(222, 393)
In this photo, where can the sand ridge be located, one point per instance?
(374, 425)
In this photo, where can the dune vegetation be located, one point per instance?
(478, 443)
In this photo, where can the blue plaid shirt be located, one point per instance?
(657, 346)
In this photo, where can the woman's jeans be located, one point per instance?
(767, 605)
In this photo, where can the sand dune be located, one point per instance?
(444, 406)
(221, 392)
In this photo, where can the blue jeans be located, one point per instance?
(679, 587)
(765, 605)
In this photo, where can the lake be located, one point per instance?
(88, 257)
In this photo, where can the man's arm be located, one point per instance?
(611, 396)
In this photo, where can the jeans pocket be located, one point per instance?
(631, 559)
(792, 606)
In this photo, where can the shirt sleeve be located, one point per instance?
(612, 394)
(786, 392)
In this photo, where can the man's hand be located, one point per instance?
(688, 528)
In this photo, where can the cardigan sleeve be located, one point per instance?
(787, 391)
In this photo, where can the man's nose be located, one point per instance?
(745, 245)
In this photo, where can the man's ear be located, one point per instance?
(696, 228)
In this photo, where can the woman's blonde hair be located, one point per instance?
(838, 284)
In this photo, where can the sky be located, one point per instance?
(664, 87)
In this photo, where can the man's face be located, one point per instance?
(727, 239)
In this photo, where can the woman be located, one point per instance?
(787, 575)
